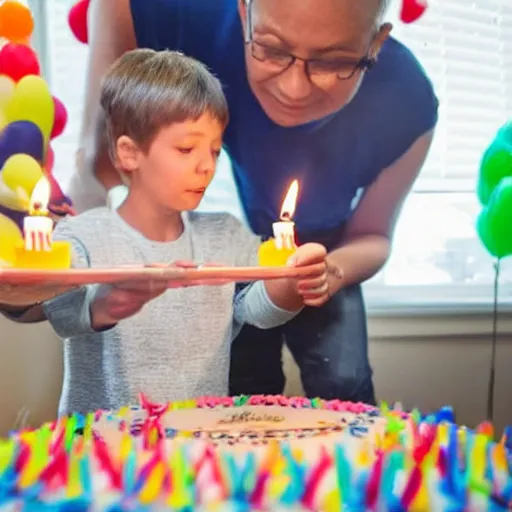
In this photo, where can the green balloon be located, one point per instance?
(483, 230)
(496, 164)
(494, 224)
(505, 132)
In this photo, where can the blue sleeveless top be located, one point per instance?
(334, 158)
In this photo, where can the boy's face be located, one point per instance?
(179, 164)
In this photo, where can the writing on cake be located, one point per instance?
(246, 417)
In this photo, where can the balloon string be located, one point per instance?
(492, 373)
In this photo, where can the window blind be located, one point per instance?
(466, 49)
(64, 62)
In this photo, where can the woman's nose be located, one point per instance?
(294, 83)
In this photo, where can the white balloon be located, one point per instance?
(7, 86)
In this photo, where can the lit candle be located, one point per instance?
(38, 225)
(38, 250)
(276, 251)
(284, 231)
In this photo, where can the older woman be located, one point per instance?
(317, 91)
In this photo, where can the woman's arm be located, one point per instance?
(111, 34)
(367, 242)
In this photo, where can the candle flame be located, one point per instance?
(290, 201)
(40, 198)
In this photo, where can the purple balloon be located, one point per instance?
(21, 137)
(14, 215)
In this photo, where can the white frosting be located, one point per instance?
(247, 427)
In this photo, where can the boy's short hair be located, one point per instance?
(146, 90)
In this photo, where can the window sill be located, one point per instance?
(439, 308)
(436, 323)
(428, 301)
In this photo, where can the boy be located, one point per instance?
(165, 116)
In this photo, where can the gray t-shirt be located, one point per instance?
(177, 347)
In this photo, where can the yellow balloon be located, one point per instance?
(13, 200)
(21, 173)
(32, 101)
(10, 237)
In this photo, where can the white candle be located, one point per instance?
(38, 233)
(284, 234)
(38, 226)
(284, 231)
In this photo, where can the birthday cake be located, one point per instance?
(263, 453)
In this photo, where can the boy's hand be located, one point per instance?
(122, 300)
(313, 290)
(117, 302)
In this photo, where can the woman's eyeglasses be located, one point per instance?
(319, 71)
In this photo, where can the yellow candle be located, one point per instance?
(152, 488)
(74, 484)
(269, 255)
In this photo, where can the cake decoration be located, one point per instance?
(414, 463)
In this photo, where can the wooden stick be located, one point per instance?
(77, 277)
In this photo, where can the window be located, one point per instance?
(63, 60)
(466, 48)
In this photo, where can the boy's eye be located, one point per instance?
(185, 151)
(216, 152)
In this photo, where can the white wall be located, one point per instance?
(30, 372)
(420, 361)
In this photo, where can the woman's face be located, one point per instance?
(333, 35)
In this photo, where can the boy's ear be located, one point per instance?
(127, 154)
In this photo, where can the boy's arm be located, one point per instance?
(254, 306)
(69, 314)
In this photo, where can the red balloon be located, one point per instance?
(412, 10)
(18, 60)
(50, 160)
(77, 20)
(61, 118)
(56, 194)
